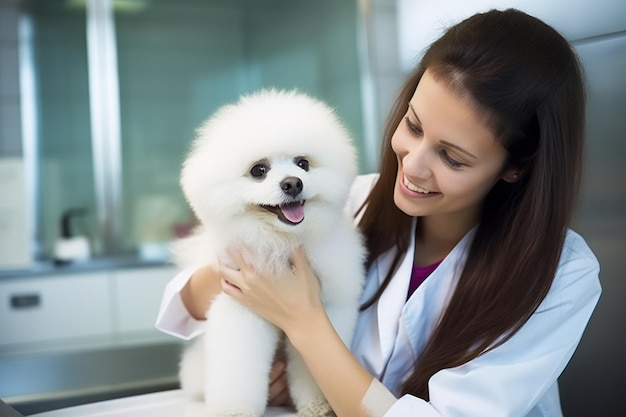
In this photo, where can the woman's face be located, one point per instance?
(447, 158)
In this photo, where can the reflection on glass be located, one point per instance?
(177, 63)
(65, 173)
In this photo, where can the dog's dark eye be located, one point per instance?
(259, 170)
(303, 163)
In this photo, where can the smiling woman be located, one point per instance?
(448, 159)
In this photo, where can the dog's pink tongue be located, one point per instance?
(293, 212)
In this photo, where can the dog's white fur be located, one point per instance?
(229, 365)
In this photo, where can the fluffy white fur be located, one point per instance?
(229, 365)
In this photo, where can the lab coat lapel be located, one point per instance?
(420, 314)
(422, 311)
(390, 305)
(391, 325)
(376, 327)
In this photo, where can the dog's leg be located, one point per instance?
(192, 368)
(305, 393)
(240, 347)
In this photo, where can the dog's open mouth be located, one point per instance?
(290, 213)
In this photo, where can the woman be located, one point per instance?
(477, 292)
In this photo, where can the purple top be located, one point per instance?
(418, 275)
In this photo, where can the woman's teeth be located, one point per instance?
(415, 188)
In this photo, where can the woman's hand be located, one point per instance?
(292, 302)
(278, 394)
(287, 301)
(200, 290)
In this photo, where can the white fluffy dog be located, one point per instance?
(268, 173)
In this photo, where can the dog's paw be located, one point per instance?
(316, 408)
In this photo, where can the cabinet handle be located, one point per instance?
(20, 301)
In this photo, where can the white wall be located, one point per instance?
(421, 22)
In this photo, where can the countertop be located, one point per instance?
(51, 269)
(159, 404)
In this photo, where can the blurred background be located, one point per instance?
(99, 100)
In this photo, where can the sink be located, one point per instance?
(36, 382)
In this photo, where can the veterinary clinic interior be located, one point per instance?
(99, 100)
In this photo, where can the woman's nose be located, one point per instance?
(417, 162)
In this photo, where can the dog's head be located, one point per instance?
(277, 159)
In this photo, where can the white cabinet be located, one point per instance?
(57, 307)
(106, 306)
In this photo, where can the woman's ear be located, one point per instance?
(512, 174)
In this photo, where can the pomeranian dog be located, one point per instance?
(270, 173)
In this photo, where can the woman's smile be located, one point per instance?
(417, 189)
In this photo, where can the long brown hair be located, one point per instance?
(525, 79)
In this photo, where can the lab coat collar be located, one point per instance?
(403, 327)
(389, 306)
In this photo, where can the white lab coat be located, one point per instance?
(518, 378)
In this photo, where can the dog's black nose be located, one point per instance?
(292, 186)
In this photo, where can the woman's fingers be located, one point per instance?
(298, 259)
(233, 276)
(281, 397)
(280, 297)
(230, 279)
(230, 288)
(278, 369)
(278, 390)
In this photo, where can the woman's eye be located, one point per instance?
(451, 161)
(259, 170)
(415, 129)
(303, 163)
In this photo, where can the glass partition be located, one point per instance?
(177, 62)
(61, 101)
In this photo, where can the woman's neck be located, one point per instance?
(436, 237)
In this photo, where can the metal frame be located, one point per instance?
(105, 122)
